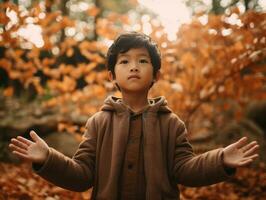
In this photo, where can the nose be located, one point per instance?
(134, 67)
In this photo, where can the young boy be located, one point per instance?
(135, 147)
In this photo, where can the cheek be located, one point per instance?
(149, 72)
(116, 69)
(119, 73)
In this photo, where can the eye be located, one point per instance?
(143, 60)
(123, 62)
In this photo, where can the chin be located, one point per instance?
(135, 90)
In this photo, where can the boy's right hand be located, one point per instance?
(34, 151)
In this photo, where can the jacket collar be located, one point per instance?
(115, 104)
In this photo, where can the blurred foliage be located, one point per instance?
(52, 53)
(215, 57)
(222, 6)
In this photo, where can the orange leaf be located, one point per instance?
(93, 11)
(8, 92)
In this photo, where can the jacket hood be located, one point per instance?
(115, 104)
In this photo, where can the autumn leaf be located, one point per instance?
(8, 92)
(93, 11)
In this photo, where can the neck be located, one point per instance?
(136, 101)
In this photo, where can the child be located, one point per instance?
(135, 147)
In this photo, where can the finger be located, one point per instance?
(24, 140)
(34, 136)
(251, 151)
(241, 142)
(248, 146)
(18, 149)
(253, 157)
(19, 143)
(245, 162)
(21, 155)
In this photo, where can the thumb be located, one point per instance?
(34, 136)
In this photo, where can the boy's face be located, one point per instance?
(133, 70)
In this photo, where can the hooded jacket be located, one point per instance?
(168, 156)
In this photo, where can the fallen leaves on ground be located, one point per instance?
(247, 184)
(20, 182)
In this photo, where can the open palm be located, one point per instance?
(34, 151)
(239, 153)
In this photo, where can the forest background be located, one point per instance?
(53, 77)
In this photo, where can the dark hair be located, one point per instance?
(130, 40)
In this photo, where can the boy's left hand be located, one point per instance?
(239, 153)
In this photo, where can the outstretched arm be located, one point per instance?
(213, 166)
(75, 173)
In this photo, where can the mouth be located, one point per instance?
(134, 76)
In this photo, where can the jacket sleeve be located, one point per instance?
(76, 173)
(197, 170)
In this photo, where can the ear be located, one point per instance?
(112, 79)
(110, 76)
(157, 76)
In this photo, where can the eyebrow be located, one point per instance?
(141, 54)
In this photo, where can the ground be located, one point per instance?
(18, 182)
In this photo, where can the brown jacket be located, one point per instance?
(168, 157)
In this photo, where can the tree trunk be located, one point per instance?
(216, 7)
(65, 12)
(98, 5)
(246, 2)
